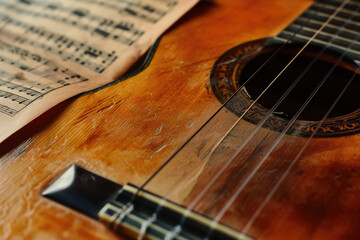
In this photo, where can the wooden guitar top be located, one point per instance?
(124, 132)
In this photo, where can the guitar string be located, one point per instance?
(163, 200)
(234, 196)
(284, 44)
(251, 135)
(253, 75)
(176, 229)
(263, 159)
(247, 140)
(287, 171)
(277, 141)
(229, 100)
(253, 218)
(154, 174)
(213, 179)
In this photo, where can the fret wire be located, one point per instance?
(347, 9)
(329, 10)
(304, 37)
(325, 33)
(346, 15)
(330, 28)
(323, 36)
(286, 34)
(334, 5)
(338, 1)
(326, 15)
(303, 19)
(350, 26)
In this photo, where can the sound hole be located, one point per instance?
(323, 99)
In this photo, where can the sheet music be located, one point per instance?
(51, 50)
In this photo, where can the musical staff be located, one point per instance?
(77, 18)
(14, 97)
(19, 89)
(138, 9)
(14, 102)
(8, 111)
(18, 94)
(41, 87)
(28, 91)
(31, 62)
(24, 91)
(47, 47)
(68, 49)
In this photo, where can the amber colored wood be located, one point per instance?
(126, 131)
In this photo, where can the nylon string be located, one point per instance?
(287, 171)
(223, 105)
(229, 203)
(268, 114)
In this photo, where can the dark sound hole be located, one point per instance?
(323, 99)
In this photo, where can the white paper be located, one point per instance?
(53, 50)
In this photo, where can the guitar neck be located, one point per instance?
(331, 23)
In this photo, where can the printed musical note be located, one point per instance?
(55, 49)
(68, 49)
(28, 91)
(8, 111)
(140, 9)
(72, 20)
(14, 97)
(36, 64)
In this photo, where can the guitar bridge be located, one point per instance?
(130, 211)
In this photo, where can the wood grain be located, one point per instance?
(126, 131)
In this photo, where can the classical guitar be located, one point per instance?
(242, 123)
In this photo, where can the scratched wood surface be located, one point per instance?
(126, 131)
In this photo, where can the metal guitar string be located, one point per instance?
(218, 110)
(287, 171)
(227, 102)
(163, 200)
(252, 134)
(243, 86)
(276, 142)
(217, 175)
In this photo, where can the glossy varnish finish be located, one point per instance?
(126, 131)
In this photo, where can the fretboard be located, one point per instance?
(342, 33)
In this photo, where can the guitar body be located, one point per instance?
(126, 131)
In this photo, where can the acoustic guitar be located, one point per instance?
(242, 123)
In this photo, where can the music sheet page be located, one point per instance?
(51, 50)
